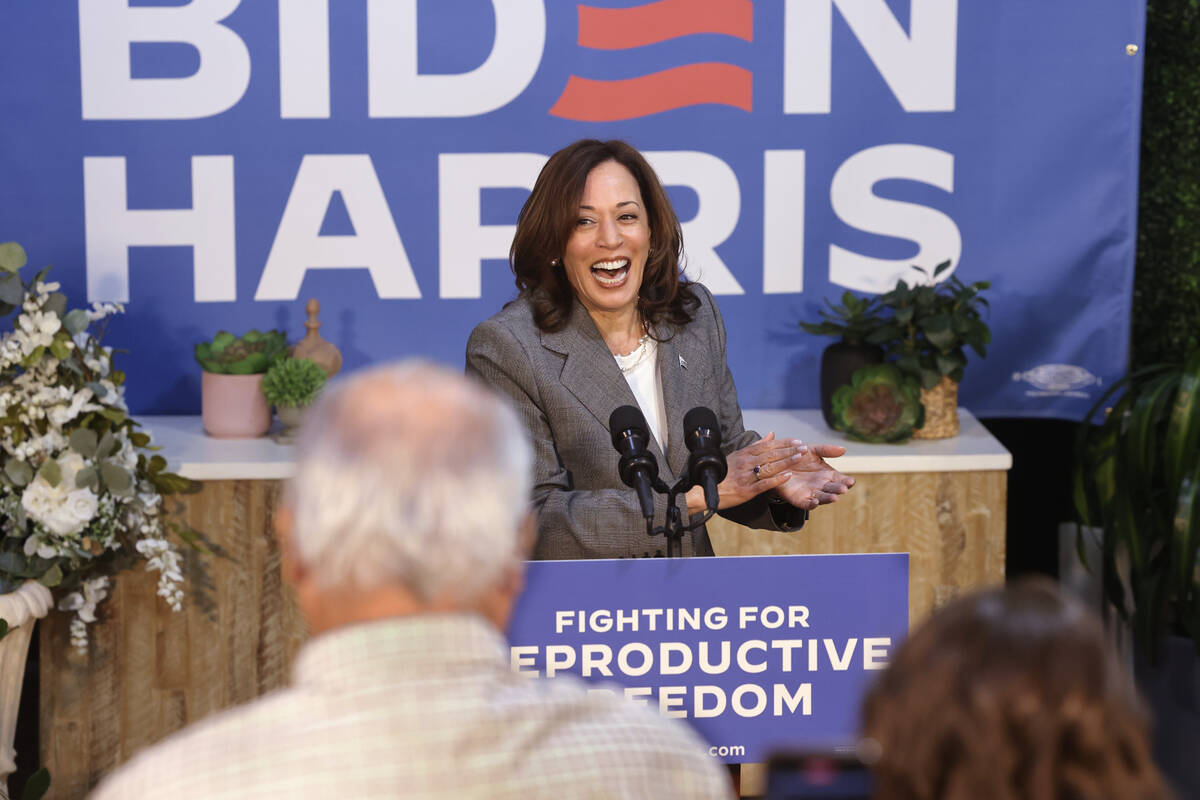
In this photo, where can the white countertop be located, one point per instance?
(972, 450)
(195, 455)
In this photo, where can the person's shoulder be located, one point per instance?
(702, 292)
(704, 309)
(705, 315)
(516, 314)
(514, 320)
(629, 743)
(607, 708)
(183, 765)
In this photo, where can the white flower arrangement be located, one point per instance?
(81, 489)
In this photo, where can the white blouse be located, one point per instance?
(640, 369)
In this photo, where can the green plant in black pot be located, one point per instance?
(853, 320)
(927, 331)
(1137, 478)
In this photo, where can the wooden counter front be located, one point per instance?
(950, 523)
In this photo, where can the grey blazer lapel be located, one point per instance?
(681, 366)
(590, 373)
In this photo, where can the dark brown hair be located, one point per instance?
(1010, 694)
(549, 216)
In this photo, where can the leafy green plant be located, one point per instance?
(293, 382)
(854, 319)
(251, 354)
(927, 327)
(880, 404)
(1137, 477)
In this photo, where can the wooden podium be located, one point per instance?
(150, 671)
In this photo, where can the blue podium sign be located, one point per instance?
(755, 652)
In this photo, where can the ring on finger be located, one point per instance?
(758, 468)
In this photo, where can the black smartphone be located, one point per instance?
(829, 774)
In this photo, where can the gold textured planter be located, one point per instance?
(941, 411)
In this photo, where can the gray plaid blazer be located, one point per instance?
(565, 384)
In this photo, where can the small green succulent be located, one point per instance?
(293, 382)
(880, 404)
(251, 354)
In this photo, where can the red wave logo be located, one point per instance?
(622, 28)
(590, 100)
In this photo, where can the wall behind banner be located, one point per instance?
(216, 163)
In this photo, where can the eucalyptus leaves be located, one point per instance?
(80, 489)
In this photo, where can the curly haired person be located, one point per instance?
(1010, 694)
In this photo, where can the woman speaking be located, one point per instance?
(605, 318)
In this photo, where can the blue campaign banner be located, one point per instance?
(216, 163)
(757, 653)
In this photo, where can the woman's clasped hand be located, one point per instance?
(791, 470)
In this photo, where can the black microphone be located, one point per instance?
(706, 464)
(637, 467)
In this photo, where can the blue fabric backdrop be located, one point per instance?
(810, 145)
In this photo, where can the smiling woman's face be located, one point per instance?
(607, 250)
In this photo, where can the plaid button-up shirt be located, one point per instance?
(424, 707)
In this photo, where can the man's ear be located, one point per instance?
(290, 564)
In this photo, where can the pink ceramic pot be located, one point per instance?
(233, 406)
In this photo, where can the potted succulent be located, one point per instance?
(853, 320)
(291, 385)
(880, 404)
(1137, 480)
(231, 400)
(925, 331)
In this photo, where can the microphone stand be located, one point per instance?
(637, 467)
(674, 529)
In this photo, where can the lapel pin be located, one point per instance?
(682, 363)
